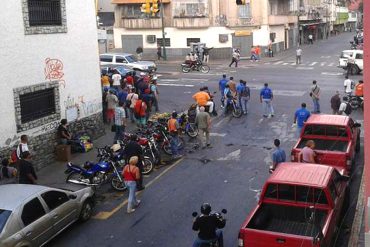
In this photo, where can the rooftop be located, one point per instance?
(328, 119)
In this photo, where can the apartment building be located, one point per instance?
(221, 24)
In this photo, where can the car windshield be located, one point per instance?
(4, 215)
(121, 69)
(345, 54)
(131, 59)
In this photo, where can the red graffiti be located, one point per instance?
(54, 70)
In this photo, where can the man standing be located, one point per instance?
(159, 52)
(221, 86)
(301, 116)
(310, 39)
(203, 122)
(27, 174)
(22, 147)
(173, 127)
(155, 94)
(315, 95)
(345, 108)
(206, 54)
(235, 58)
(253, 54)
(244, 95)
(63, 133)
(298, 55)
(335, 103)
(112, 101)
(266, 97)
(130, 103)
(350, 64)
(116, 77)
(120, 121)
(278, 156)
(134, 149)
(258, 52)
(348, 86)
(359, 89)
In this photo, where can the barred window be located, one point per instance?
(245, 11)
(192, 40)
(44, 13)
(37, 105)
(167, 42)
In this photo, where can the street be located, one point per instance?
(229, 174)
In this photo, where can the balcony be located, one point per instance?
(282, 19)
(136, 23)
(191, 22)
(243, 22)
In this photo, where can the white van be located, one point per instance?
(359, 62)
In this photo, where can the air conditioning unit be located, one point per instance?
(151, 39)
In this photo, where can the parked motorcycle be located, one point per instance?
(356, 102)
(162, 137)
(186, 68)
(189, 128)
(233, 107)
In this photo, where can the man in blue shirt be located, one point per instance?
(266, 97)
(221, 86)
(122, 95)
(301, 116)
(278, 156)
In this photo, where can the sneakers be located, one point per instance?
(129, 211)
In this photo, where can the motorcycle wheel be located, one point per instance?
(117, 184)
(148, 166)
(185, 69)
(353, 104)
(192, 131)
(237, 112)
(204, 69)
(167, 148)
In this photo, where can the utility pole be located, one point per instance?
(163, 33)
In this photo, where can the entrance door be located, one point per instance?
(286, 39)
(291, 38)
(131, 42)
(244, 43)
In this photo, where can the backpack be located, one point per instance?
(13, 156)
(348, 109)
(245, 92)
(352, 84)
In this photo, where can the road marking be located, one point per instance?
(322, 64)
(313, 63)
(175, 85)
(331, 64)
(289, 93)
(193, 79)
(331, 73)
(260, 121)
(219, 123)
(293, 63)
(267, 63)
(169, 80)
(232, 156)
(217, 134)
(325, 57)
(305, 68)
(285, 63)
(106, 215)
(278, 62)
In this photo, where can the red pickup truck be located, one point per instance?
(337, 140)
(301, 205)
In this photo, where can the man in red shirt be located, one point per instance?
(130, 79)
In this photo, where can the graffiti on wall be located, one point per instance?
(54, 70)
(221, 20)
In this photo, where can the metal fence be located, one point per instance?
(44, 13)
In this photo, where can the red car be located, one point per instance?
(337, 140)
(301, 205)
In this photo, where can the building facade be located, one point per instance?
(50, 69)
(105, 21)
(221, 24)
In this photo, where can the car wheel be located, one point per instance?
(86, 211)
(355, 70)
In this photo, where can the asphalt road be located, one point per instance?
(229, 174)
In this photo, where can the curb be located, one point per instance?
(358, 218)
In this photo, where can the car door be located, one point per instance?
(37, 225)
(359, 60)
(62, 210)
(121, 60)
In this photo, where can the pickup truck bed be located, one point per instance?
(288, 219)
(330, 145)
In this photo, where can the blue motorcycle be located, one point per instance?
(189, 128)
(95, 174)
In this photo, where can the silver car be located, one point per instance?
(31, 215)
(128, 60)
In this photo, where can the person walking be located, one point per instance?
(266, 97)
(258, 53)
(131, 174)
(22, 147)
(244, 95)
(203, 123)
(278, 155)
(155, 95)
(359, 89)
(298, 56)
(134, 149)
(139, 53)
(130, 104)
(27, 174)
(300, 117)
(140, 111)
(116, 77)
(345, 108)
(307, 154)
(253, 54)
(221, 86)
(120, 121)
(348, 86)
(105, 80)
(112, 101)
(235, 58)
(271, 53)
(350, 64)
(159, 52)
(335, 103)
(173, 129)
(206, 54)
(315, 95)
(310, 39)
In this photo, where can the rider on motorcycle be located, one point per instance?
(206, 89)
(228, 96)
(203, 99)
(209, 226)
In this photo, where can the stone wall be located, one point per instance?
(42, 146)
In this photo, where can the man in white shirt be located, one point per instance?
(116, 77)
(343, 106)
(310, 39)
(298, 55)
(348, 86)
(23, 146)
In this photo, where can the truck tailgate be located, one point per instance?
(259, 238)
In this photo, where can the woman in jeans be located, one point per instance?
(131, 174)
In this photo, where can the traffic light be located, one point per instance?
(155, 7)
(145, 7)
(240, 2)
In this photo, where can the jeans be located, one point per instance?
(202, 133)
(220, 238)
(299, 130)
(130, 112)
(316, 105)
(206, 59)
(267, 107)
(155, 103)
(234, 60)
(243, 102)
(298, 60)
(119, 133)
(132, 202)
(254, 57)
(174, 142)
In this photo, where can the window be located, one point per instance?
(244, 11)
(44, 13)
(131, 59)
(4, 215)
(54, 199)
(359, 56)
(37, 105)
(286, 192)
(325, 130)
(167, 42)
(32, 211)
(133, 11)
(192, 40)
(271, 191)
(191, 8)
(120, 59)
(106, 58)
(333, 191)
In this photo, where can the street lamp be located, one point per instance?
(163, 33)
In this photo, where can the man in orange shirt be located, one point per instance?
(258, 52)
(359, 88)
(203, 99)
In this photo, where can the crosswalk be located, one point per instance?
(289, 63)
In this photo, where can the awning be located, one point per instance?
(136, 1)
(310, 24)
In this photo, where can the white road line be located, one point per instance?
(217, 134)
(220, 122)
(278, 62)
(232, 156)
(331, 73)
(194, 79)
(322, 64)
(293, 63)
(289, 93)
(175, 85)
(285, 63)
(304, 68)
(267, 63)
(331, 64)
(169, 80)
(313, 63)
(325, 56)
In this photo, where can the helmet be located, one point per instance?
(206, 208)
(174, 114)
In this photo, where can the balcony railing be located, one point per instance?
(192, 22)
(141, 23)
